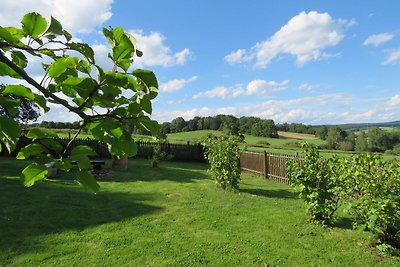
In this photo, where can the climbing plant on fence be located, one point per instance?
(73, 80)
(223, 155)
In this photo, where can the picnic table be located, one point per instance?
(95, 163)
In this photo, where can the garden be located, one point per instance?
(152, 212)
(172, 215)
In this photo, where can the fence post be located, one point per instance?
(265, 165)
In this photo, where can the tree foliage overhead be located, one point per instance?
(104, 100)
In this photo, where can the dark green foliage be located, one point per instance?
(159, 155)
(335, 136)
(223, 155)
(361, 143)
(369, 185)
(314, 178)
(18, 107)
(373, 187)
(322, 132)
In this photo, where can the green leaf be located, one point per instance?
(31, 150)
(52, 144)
(19, 59)
(16, 33)
(81, 155)
(9, 132)
(48, 52)
(32, 173)
(54, 30)
(34, 24)
(37, 133)
(41, 102)
(11, 105)
(8, 36)
(64, 165)
(5, 70)
(148, 81)
(81, 85)
(19, 90)
(84, 49)
(87, 180)
(67, 35)
(150, 125)
(123, 52)
(59, 66)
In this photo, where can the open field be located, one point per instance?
(168, 216)
(290, 135)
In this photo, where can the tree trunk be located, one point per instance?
(120, 164)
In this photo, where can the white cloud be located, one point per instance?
(305, 36)
(393, 57)
(308, 87)
(394, 101)
(176, 84)
(155, 52)
(255, 87)
(265, 87)
(217, 92)
(75, 16)
(378, 39)
(239, 56)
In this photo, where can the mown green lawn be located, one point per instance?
(168, 216)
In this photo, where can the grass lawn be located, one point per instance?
(168, 216)
(193, 136)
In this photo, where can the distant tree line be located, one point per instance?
(296, 128)
(57, 125)
(373, 140)
(227, 123)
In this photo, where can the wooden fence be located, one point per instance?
(269, 165)
(181, 152)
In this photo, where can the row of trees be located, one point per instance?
(374, 140)
(296, 128)
(58, 125)
(227, 123)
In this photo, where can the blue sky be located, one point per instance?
(315, 62)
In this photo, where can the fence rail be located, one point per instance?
(269, 165)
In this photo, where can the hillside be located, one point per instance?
(352, 127)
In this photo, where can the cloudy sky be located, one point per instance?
(315, 62)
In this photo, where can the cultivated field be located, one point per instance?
(168, 216)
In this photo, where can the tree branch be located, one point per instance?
(91, 94)
(43, 90)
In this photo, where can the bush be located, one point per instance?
(373, 185)
(315, 180)
(346, 146)
(223, 155)
(159, 155)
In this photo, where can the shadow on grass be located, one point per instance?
(343, 223)
(54, 207)
(277, 193)
(140, 170)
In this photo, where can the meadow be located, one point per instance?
(168, 216)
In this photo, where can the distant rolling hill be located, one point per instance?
(351, 127)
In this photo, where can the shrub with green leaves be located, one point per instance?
(223, 155)
(73, 80)
(315, 179)
(372, 185)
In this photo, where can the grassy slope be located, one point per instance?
(169, 216)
